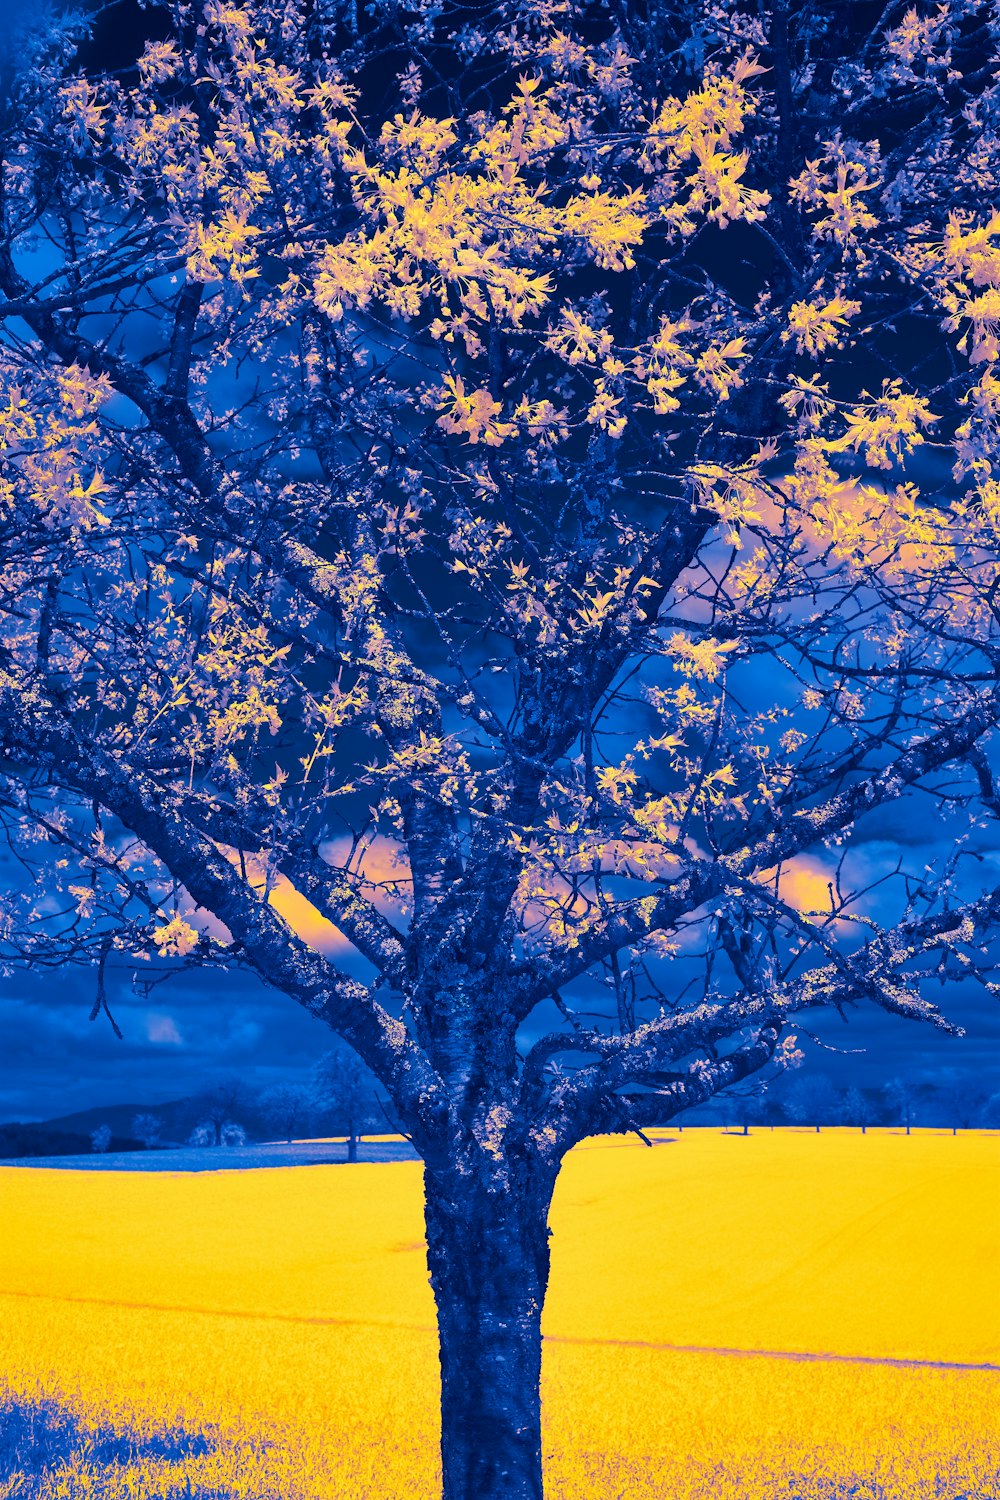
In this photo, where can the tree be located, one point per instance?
(958, 1103)
(750, 1109)
(515, 494)
(288, 1107)
(857, 1109)
(147, 1129)
(228, 1096)
(811, 1099)
(100, 1139)
(344, 1087)
(900, 1100)
(990, 1114)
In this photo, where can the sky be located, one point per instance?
(54, 1061)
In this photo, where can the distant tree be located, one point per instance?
(773, 1110)
(288, 1107)
(901, 1102)
(989, 1115)
(229, 1096)
(100, 1139)
(857, 1109)
(147, 1129)
(956, 1101)
(750, 1109)
(811, 1099)
(204, 1134)
(232, 1134)
(464, 467)
(343, 1085)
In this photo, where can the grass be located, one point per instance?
(328, 1152)
(264, 1334)
(47, 1448)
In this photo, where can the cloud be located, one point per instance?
(380, 869)
(242, 1034)
(162, 1030)
(305, 919)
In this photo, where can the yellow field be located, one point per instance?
(285, 1315)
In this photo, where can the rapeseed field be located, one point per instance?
(268, 1335)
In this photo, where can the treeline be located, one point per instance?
(949, 1102)
(339, 1098)
(19, 1139)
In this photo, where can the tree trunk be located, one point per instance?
(487, 1248)
(352, 1145)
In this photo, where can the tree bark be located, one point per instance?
(488, 1253)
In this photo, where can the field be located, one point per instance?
(783, 1315)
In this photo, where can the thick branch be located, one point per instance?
(583, 1103)
(590, 1106)
(431, 831)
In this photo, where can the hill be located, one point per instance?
(70, 1135)
(178, 1116)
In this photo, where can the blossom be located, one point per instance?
(175, 938)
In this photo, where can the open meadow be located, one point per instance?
(785, 1314)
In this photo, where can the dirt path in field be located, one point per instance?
(799, 1356)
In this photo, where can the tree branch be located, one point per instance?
(281, 958)
(704, 881)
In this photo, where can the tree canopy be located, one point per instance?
(498, 509)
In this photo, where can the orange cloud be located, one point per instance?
(162, 1030)
(804, 883)
(305, 920)
(381, 867)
